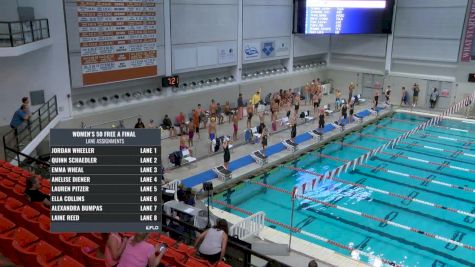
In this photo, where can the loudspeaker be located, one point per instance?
(207, 186)
(471, 77)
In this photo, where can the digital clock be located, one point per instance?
(170, 81)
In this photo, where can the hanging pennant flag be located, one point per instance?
(346, 166)
(313, 183)
(294, 192)
(337, 171)
(325, 176)
(365, 157)
(303, 188)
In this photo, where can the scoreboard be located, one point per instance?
(105, 180)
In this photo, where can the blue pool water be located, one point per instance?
(379, 239)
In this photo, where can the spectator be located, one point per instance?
(312, 263)
(235, 126)
(321, 119)
(250, 112)
(33, 193)
(191, 133)
(344, 114)
(256, 99)
(20, 116)
(274, 109)
(26, 101)
(352, 110)
(415, 94)
(180, 193)
(351, 88)
(296, 102)
(316, 102)
(227, 154)
(183, 142)
(140, 253)
(264, 136)
(219, 114)
(433, 98)
(189, 198)
(337, 99)
(404, 98)
(114, 247)
(375, 100)
(212, 107)
(167, 125)
(202, 116)
(308, 89)
(293, 124)
(267, 99)
(176, 229)
(387, 94)
(139, 123)
(241, 106)
(196, 122)
(212, 128)
(151, 124)
(180, 122)
(227, 111)
(211, 244)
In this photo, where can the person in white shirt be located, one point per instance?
(211, 244)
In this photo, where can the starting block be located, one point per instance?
(259, 157)
(223, 173)
(290, 145)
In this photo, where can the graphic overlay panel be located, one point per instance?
(105, 180)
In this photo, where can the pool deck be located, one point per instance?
(324, 256)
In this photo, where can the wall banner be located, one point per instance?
(469, 35)
(118, 40)
(252, 50)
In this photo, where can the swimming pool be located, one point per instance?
(424, 183)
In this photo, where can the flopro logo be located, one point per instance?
(152, 227)
(251, 51)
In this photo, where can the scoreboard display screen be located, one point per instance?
(343, 16)
(105, 180)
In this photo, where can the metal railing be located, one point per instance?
(16, 33)
(250, 226)
(126, 122)
(16, 139)
(238, 253)
(39, 166)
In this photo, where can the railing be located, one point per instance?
(38, 166)
(16, 139)
(237, 253)
(15, 33)
(127, 122)
(250, 226)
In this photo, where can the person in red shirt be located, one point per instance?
(180, 122)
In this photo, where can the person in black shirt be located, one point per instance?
(33, 193)
(189, 198)
(180, 193)
(321, 119)
(264, 136)
(352, 110)
(227, 154)
(139, 123)
(344, 110)
(293, 130)
(167, 125)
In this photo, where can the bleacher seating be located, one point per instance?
(25, 236)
